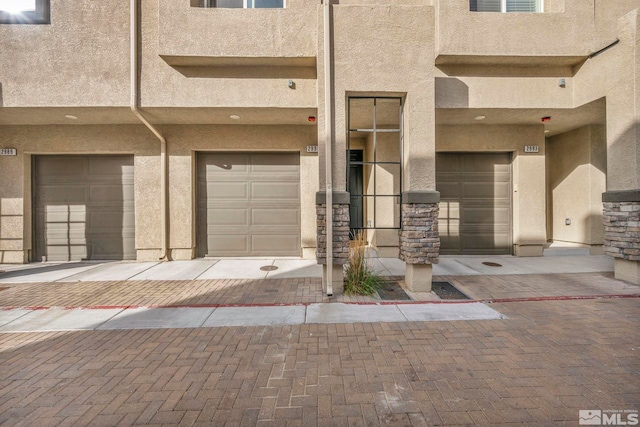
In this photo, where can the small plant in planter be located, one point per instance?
(360, 279)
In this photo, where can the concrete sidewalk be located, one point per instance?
(207, 293)
(251, 268)
(541, 366)
(78, 319)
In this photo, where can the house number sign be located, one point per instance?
(8, 152)
(531, 149)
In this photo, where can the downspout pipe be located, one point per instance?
(136, 112)
(328, 114)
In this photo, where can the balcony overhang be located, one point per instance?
(27, 116)
(509, 65)
(243, 66)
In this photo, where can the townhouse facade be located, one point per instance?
(176, 129)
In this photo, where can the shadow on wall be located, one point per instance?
(576, 174)
(247, 72)
(451, 93)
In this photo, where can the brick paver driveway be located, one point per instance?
(538, 367)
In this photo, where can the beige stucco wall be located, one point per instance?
(529, 212)
(195, 31)
(173, 27)
(15, 192)
(614, 75)
(80, 59)
(491, 92)
(577, 165)
(373, 55)
(562, 31)
(185, 141)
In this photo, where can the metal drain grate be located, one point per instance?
(492, 264)
(268, 268)
(446, 290)
(391, 291)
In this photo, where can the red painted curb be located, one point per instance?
(306, 304)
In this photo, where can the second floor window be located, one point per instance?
(245, 4)
(24, 11)
(506, 5)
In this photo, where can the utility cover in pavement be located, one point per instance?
(446, 290)
(391, 291)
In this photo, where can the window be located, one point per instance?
(506, 5)
(245, 4)
(374, 162)
(24, 11)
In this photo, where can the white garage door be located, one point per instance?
(249, 204)
(84, 208)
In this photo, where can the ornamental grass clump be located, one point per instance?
(360, 279)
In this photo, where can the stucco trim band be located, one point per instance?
(621, 196)
(420, 197)
(339, 198)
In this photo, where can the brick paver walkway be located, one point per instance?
(539, 367)
(289, 291)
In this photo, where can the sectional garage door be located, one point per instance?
(248, 204)
(84, 208)
(475, 203)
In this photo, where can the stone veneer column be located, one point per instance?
(622, 232)
(341, 224)
(419, 238)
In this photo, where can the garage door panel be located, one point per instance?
(265, 244)
(226, 163)
(109, 247)
(62, 194)
(64, 213)
(487, 215)
(448, 164)
(111, 221)
(228, 216)
(241, 201)
(475, 208)
(267, 162)
(61, 167)
(232, 244)
(91, 218)
(275, 217)
(485, 162)
(227, 190)
(66, 252)
(106, 194)
(110, 166)
(66, 233)
(487, 242)
(448, 189)
(275, 190)
(486, 190)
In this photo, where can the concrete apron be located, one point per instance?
(77, 319)
(208, 269)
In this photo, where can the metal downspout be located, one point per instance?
(136, 112)
(328, 151)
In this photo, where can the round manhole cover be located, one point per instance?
(268, 268)
(492, 264)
